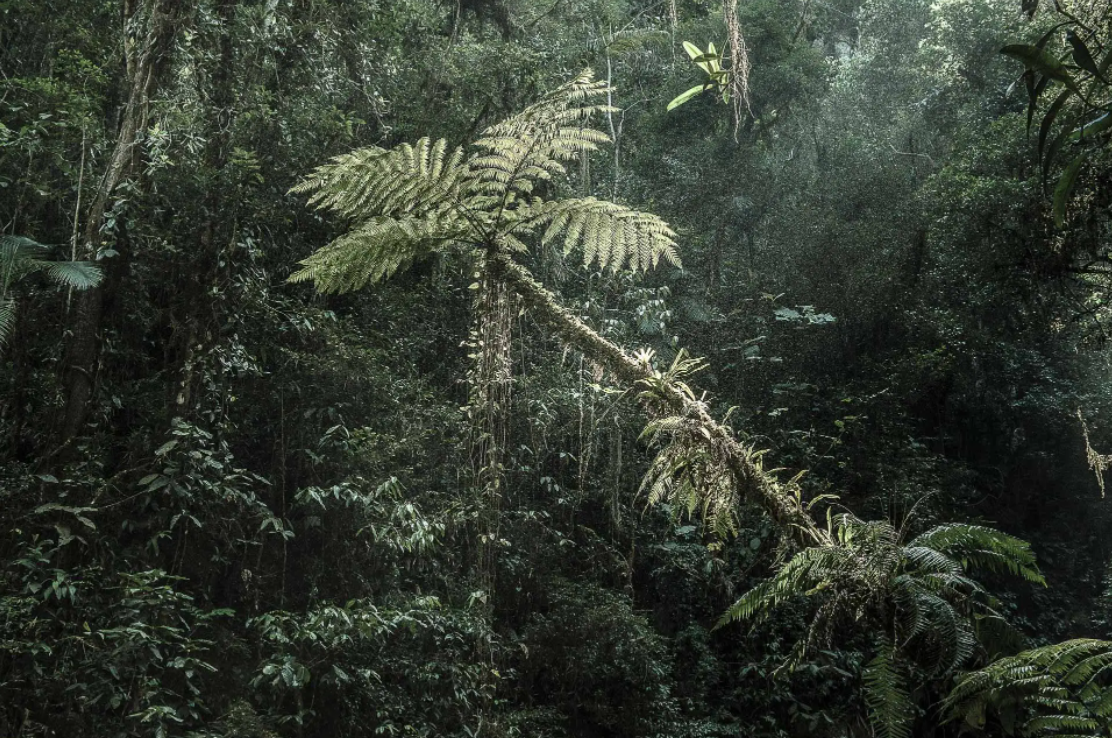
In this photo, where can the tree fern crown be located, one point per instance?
(417, 199)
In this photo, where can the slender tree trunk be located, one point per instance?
(210, 269)
(753, 482)
(147, 55)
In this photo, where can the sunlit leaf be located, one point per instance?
(685, 96)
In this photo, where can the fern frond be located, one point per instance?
(886, 694)
(978, 546)
(533, 145)
(611, 235)
(809, 572)
(414, 193)
(1065, 688)
(406, 180)
(377, 249)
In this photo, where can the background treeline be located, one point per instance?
(234, 508)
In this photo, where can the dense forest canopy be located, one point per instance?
(557, 368)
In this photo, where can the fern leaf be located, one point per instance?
(406, 180)
(612, 235)
(377, 249)
(886, 695)
(1064, 688)
(534, 144)
(980, 546)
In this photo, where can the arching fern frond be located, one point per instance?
(1061, 689)
(377, 249)
(978, 546)
(611, 235)
(886, 695)
(810, 572)
(533, 145)
(406, 180)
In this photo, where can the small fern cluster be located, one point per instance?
(928, 613)
(414, 200)
(1064, 689)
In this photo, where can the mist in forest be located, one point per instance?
(555, 368)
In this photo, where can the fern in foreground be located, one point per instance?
(929, 617)
(1060, 690)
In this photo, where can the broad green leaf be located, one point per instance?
(685, 96)
(1034, 90)
(1048, 119)
(1082, 57)
(1094, 127)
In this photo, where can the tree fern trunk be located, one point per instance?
(488, 409)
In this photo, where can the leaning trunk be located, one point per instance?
(752, 481)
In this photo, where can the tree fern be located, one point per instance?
(414, 200)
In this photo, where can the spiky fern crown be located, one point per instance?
(925, 609)
(414, 200)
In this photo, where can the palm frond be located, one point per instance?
(19, 256)
(21, 247)
(80, 275)
(7, 319)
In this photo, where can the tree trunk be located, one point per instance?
(775, 498)
(146, 57)
(212, 263)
